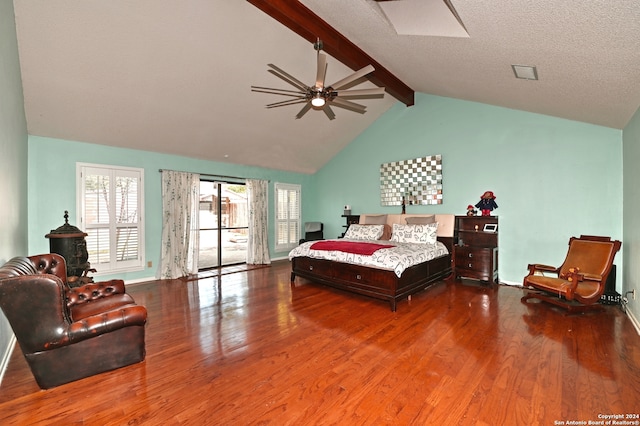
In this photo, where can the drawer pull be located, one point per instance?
(311, 268)
(470, 265)
(470, 254)
(358, 277)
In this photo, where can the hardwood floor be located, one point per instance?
(247, 348)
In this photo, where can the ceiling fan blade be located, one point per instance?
(351, 106)
(353, 77)
(360, 92)
(287, 77)
(277, 91)
(328, 111)
(287, 102)
(304, 110)
(322, 71)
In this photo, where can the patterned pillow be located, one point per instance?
(424, 234)
(364, 232)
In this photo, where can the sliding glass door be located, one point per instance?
(223, 224)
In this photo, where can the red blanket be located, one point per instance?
(349, 246)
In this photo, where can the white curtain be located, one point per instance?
(180, 236)
(258, 244)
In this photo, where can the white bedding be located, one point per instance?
(397, 258)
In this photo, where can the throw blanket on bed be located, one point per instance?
(354, 247)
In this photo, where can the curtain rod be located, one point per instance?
(213, 176)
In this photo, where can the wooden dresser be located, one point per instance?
(476, 247)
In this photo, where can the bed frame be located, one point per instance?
(378, 283)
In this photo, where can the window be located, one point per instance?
(110, 211)
(287, 216)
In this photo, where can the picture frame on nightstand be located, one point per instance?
(490, 227)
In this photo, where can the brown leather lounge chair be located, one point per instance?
(68, 334)
(580, 281)
(83, 301)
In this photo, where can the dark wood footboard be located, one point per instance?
(377, 283)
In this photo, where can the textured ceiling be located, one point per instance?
(174, 76)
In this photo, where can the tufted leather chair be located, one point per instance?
(67, 334)
(87, 299)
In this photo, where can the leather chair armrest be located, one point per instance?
(94, 307)
(538, 267)
(111, 286)
(572, 278)
(107, 321)
(93, 291)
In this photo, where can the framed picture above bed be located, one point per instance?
(415, 181)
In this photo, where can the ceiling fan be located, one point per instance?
(319, 96)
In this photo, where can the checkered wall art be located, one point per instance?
(418, 180)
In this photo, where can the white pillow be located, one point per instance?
(424, 234)
(364, 232)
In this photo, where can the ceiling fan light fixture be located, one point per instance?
(318, 100)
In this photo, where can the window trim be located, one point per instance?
(123, 266)
(287, 187)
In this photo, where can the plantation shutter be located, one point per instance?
(287, 216)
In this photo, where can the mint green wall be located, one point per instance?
(52, 188)
(13, 161)
(13, 142)
(553, 178)
(631, 240)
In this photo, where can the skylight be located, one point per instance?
(424, 17)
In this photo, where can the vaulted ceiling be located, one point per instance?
(174, 76)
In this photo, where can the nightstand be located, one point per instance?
(476, 247)
(351, 219)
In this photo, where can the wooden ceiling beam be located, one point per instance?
(301, 20)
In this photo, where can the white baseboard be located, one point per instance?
(510, 283)
(4, 362)
(139, 280)
(634, 321)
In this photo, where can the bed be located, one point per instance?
(352, 272)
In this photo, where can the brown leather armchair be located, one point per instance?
(66, 335)
(580, 281)
(86, 300)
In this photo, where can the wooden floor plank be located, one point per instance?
(248, 348)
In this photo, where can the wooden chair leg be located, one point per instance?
(570, 306)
